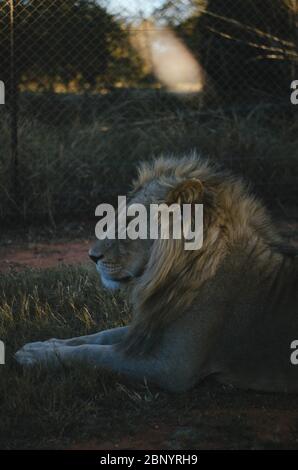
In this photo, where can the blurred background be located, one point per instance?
(95, 86)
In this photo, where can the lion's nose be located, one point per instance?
(94, 256)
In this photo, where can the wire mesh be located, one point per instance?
(77, 63)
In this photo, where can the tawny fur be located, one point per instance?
(173, 275)
(228, 309)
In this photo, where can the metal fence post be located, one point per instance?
(13, 103)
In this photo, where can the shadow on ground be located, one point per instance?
(212, 416)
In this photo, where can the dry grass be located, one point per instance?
(42, 409)
(67, 169)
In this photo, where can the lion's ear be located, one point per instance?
(188, 192)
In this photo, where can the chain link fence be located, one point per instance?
(76, 69)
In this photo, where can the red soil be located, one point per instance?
(47, 255)
(43, 255)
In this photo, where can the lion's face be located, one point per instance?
(120, 261)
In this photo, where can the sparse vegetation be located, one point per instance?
(68, 169)
(41, 406)
(85, 407)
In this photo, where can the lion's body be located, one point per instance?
(251, 322)
(229, 309)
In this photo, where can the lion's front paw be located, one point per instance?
(39, 353)
(25, 358)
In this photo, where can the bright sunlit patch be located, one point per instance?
(168, 58)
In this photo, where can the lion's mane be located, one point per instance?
(173, 276)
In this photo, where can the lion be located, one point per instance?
(228, 309)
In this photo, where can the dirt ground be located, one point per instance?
(238, 421)
(44, 254)
(213, 416)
